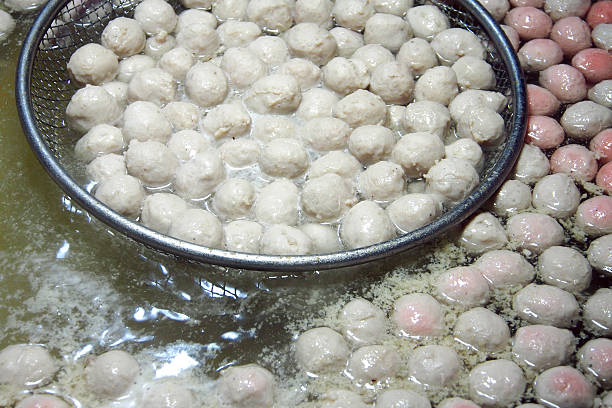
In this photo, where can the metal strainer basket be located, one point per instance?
(44, 90)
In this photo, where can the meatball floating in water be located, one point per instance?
(111, 374)
(542, 346)
(433, 366)
(463, 286)
(497, 383)
(597, 312)
(418, 315)
(483, 330)
(321, 350)
(25, 365)
(545, 304)
(595, 360)
(372, 366)
(564, 387)
(362, 322)
(248, 386)
(42, 401)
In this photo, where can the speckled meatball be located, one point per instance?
(337, 162)
(314, 11)
(198, 177)
(453, 178)
(564, 387)
(395, 118)
(159, 209)
(585, 119)
(365, 224)
(229, 120)
(362, 322)
(565, 82)
(98, 141)
(565, 268)
(197, 226)
(601, 93)
(469, 150)
(176, 62)
(483, 330)
(122, 193)
(558, 9)
(594, 360)
(242, 67)
(382, 181)
(242, 236)
(473, 73)
(233, 198)
(602, 36)
(427, 116)
(152, 162)
(352, 14)
(543, 347)
(159, 45)
(91, 106)
(106, 166)
(393, 82)
(241, 152)
(417, 55)
(599, 254)
(413, 211)
(417, 153)
(475, 98)
(272, 50)
(454, 43)
(534, 232)
(187, 143)
(153, 85)
(597, 312)
(540, 53)
(248, 386)
(361, 108)
(346, 75)
(316, 102)
(326, 134)
(594, 216)
(206, 84)
(270, 127)
(130, 66)
(427, 21)
(93, 64)
(324, 238)
(284, 158)
(327, 198)
(199, 38)
(373, 365)
(556, 195)
(193, 17)
(418, 315)
(437, 84)
(544, 304)
(144, 121)
(433, 366)
(373, 55)
(230, 9)
(274, 93)
(124, 37)
(503, 268)
(305, 72)
(531, 165)
(388, 30)
(24, 365)
(483, 233)
(238, 33)
(497, 383)
(168, 394)
(277, 203)
(401, 398)
(155, 16)
(483, 125)
(182, 115)
(111, 374)
(273, 16)
(347, 40)
(310, 41)
(118, 90)
(371, 143)
(321, 350)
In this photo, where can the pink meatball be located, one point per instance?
(512, 36)
(544, 132)
(418, 315)
(604, 178)
(600, 13)
(539, 54)
(594, 63)
(595, 359)
(601, 145)
(463, 286)
(572, 34)
(541, 101)
(533, 231)
(574, 160)
(565, 82)
(564, 387)
(42, 401)
(505, 268)
(594, 216)
(542, 347)
(529, 22)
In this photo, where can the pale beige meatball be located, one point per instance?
(124, 37)
(417, 153)
(276, 93)
(314, 11)
(285, 240)
(531, 165)
(366, 224)
(110, 375)
(393, 82)
(228, 120)
(158, 45)
(371, 143)
(197, 226)
(534, 232)
(238, 33)
(122, 193)
(153, 85)
(513, 197)
(341, 399)
(130, 66)
(466, 149)
(159, 209)
(177, 62)
(585, 119)
(144, 121)
(497, 8)
(337, 162)
(274, 16)
(352, 14)
(272, 50)
(324, 239)
(326, 134)
(7, 25)
(437, 84)
(151, 162)
(453, 178)
(482, 330)
(91, 106)
(269, 127)
(556, 195)
(198, 4)
(454, 43)
(155, 16)
(373, 365)
(427, 116)
(412, 211)
(598, 312)
(25, 365)
(564, 268)
(316, 102)
(545, 304)
(233, 199)
(362, 322)
(200, 39)
(433, 366)
(100, 140)
(242, 67)
(395, 7)
(543, 347)
(327, 198)
(395, 118)
(361, 108)
(427, 21)
(308, 40)
(93, 64)
(321, 350)
(118, 90)
(198, 177)
(277, 203)
(373, 55)
(463, 287)
(347, 40)
(185, 144)
(599, 254)
(182, 115)
(473, 73)
(417, 55)
(284, 158)
(483, 125)
(106, 166)
(476, 98)
(483, 233)
(305, 72)
(242, 236)
(388, 30)
(230, 9)
(168, 394)
(249, 386)
(194, 18)
(345, 75)
(206, 84)
(497, 383)
(504, 268)
(601, 93)
(382, 181)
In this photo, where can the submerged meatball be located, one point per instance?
(284, 158)
(187, 143)
(309, 41)
(324, 238)
(463, 286)
(427, 21)
(352, 14)
(130, 66)
(327, 198)
(277, 203)
(531, 165)
(497, 383)
(393, 82)
(317, 11)
(106, 166)
(483, 330)
(594, 216)
(427, 116)
(371, 143)
(362, 322)
(418, 315)
(243, 67)
(305, 72)
(473, 73)
(513, 197)
(234, 198)
(155, 16)
(365, 224)
(341, 399)
(152, 162)
(556, 195)
(321, 350)
(347, 40)
(182, 115)
(565, 268)
(418, 152)
(241, 152)
(91, 106)
(505, 268)
(24, 365)
(594, 359)
(586, 119)
(454, 43)
(168, 394)
(200, 39)
(599, 254)
(564, 387)
(206, 84)
(198, 177)
(144, 121)
(159, 209)
(248, 386)
(382, 181)
(7, 25)
(111, 374)
(238, 33)
(453, 178)
(271, 50)
(544, 304)
(417, 55)
(228, 120)
(100, 140)
(543, 347)
(437, 84)
(122, 193)
(197, 226)
(387, 30)
(598, 312)
(271, 15)
(153, 85)
(401, 398)
(433, 366)
(373, 365)
(361, 108)
(412, 211)
(316, 102)
(346, 75)
(242, 236)
(483, 125)
(534, 232)
(326, 134)
(274, 93)
(373, 55)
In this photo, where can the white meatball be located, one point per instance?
(585, 119)
(285, 240)
(7, 25)
(427, 116)
(152, 162)
(418, 315)
(594, 360)
(512, 197)
(417, 153)
(122, 193)
(531, 165)
(497, 383)
(393, 82)
(565, 268)
(93, 64)
(111, 374)
(324, 239)
(238, 33)
(345, 75)
(195, 18)
(277, 203)
(373, 365)
(155, 16)
(474, 73)
(153, 85)
(228, 120)
(168, 394)
(468, 150)
(24, 365)
(437, 84)
(427, 21)
(544, 304)
(177, 62)
(206, 84)
(483, 233)
(308, 40)
(284, 158)
(601, 93)
(602, 36)
(197, 178)
(182, 115)
(200, 39)
(598, 312)
(454, 43)
(159, 209)
(274, 93)
(316, 102)
(249, 386)
(373, 55)
(341, 399)
(321, 350)
(124, 37)
(274, 16)
(118, 90)
(197, 226)
(340, 163)
(242, 236)
(272, 50)
(348, 41)
(41, 400)
(100, 140)
(599, 254)
(505, 268)
(497, 8)
(543, 347)
(371, 143)
(326, 134)
(417, 55)
(433, 366)
(314, 11)
(462, 286)
(106, 166)
(534, 232)
(234, 198)
(305, 72)
(395, 7)
(91, 106)
(269, 127)
(564, 387)
(382, 181)
(352, 14)
(401, 398)
(412, 211)
(158, 45)
(327, 198)
(241, 152)
(362, 322)
(483, 330)
(230, 9)
(130, 66)
(475, 98)
(365, 224)
(453, 178)
(388, 30)
(483, 125)
(243, 67)
(144, 121)
(361, 108)
(187, 143)
(395, 118)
